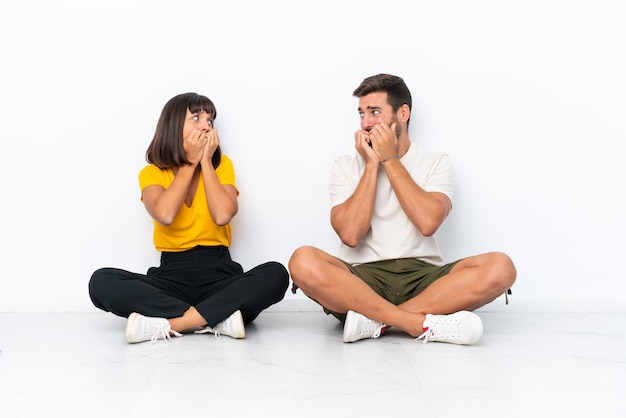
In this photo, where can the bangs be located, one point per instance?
(198, 103)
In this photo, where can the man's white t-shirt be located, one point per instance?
(391, 234)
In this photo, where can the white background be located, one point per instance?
(527, 97)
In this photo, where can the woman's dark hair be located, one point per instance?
(166, 149)
(398, 93)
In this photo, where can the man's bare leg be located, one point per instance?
(470, 284)
(473, 282)
(327, 280)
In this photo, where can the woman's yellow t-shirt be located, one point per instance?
(193, 225)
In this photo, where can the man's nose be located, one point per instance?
(367, 122)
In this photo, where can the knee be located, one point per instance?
(301, 261)
(276, 273)
(97, 281)
(102, 281)
(304, 266)
(502, 271)
(278, 270)
(99, 285)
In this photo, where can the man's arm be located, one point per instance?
(351, 219)
(426, 210)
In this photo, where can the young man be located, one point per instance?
(388, 199)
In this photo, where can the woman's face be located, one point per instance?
(201, 121)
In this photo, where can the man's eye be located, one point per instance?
(376, 112)
(361, 114)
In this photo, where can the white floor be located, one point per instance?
(294, 364)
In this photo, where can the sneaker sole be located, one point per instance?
(347, 325)
(242, 331)
(130, 324)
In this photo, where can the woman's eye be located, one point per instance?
(195, 117)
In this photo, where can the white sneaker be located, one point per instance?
(231, 326)
(461, 327)
(358, 327)
(141, 328)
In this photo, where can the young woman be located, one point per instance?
(189, 190)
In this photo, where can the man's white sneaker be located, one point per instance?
(358, 327)
(141, 328)
(231, 326)
(461, 327)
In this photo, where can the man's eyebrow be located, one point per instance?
(369, 108)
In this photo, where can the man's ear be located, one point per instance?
(404, 113)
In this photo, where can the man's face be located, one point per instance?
(374, 109)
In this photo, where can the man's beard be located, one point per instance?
(398, 128)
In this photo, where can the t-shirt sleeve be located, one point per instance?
(342, 183)
(150, 175)
(440, 177)
(226, 172)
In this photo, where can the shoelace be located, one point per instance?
(211, 330)
(164, 332)
(371, 327)
(444, 328)
(426, 335)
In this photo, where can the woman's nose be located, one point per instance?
(208, 125)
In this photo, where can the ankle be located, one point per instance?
(415, 324)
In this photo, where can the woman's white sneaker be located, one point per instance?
(231, 327)
(141, 328)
